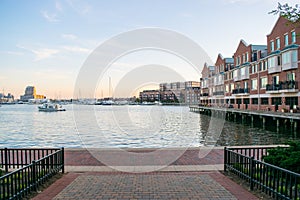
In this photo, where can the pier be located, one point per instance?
(253, 117)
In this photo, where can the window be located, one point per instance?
(235, 73)
(243, 71)
(293, 37)
(247, 57)
(286, 58)
(275, 79)
(245, 85)
(290, 76)
(263, 82)
(232, 86)
(286, 39)
(254, 100)
(278, 43)
(264, 101)
(272, 45)
(294, 56)
(254, 84)
(272, 62)
(227, 88)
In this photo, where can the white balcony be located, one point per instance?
(275, 69)
(245, 76)
(293, 65)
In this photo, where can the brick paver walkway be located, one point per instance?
(180, 183)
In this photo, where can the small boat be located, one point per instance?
(49, 107)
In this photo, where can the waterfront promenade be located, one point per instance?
(195, 174)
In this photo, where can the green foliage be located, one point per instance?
(287, 158)
(289, 12)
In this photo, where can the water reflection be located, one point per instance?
(244, 134)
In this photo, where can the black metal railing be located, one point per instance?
(286, 85)
(240, 91)
(247, 163)
(34, 167)
(218, 93)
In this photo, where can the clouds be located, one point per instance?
(40, 53)
(69, 36)
(50, 17)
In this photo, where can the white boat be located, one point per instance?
(49, 107)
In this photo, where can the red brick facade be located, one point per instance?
(258, 77)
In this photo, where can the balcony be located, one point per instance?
(204, 95)
(275, 69)
(245, 76)
(286, 86)
(218, 93)
(241, 91)
(288, 66)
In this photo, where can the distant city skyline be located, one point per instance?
(45, 43)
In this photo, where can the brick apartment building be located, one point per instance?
(176, 92)
(257, 77)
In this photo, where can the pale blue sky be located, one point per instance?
(44, 43)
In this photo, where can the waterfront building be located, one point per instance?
(9, 98)
(257, 77)
(283, 66)
(30, 94)
(206, 84)
(149, 96)
(187, 92)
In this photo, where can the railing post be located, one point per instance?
(225, 159)
(251, 173)
(34, 177)
(6, 159)
(63, 159)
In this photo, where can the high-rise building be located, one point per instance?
(30, 93)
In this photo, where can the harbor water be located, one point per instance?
(95, 126)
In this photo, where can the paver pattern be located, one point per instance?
(145, 186)
(183, 180)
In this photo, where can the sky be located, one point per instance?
(46, 43)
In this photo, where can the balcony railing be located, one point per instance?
(204, 94)
(241, 91)
(286, 85)
(218, 93)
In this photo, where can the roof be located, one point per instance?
(292, 46)
(258, 47)
(229, 60)
(211, 68)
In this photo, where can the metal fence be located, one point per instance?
(33, 167)
(247, 163)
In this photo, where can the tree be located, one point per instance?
(292, 13)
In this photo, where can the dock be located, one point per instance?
(253, 117)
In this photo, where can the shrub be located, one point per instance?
(287, 158)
